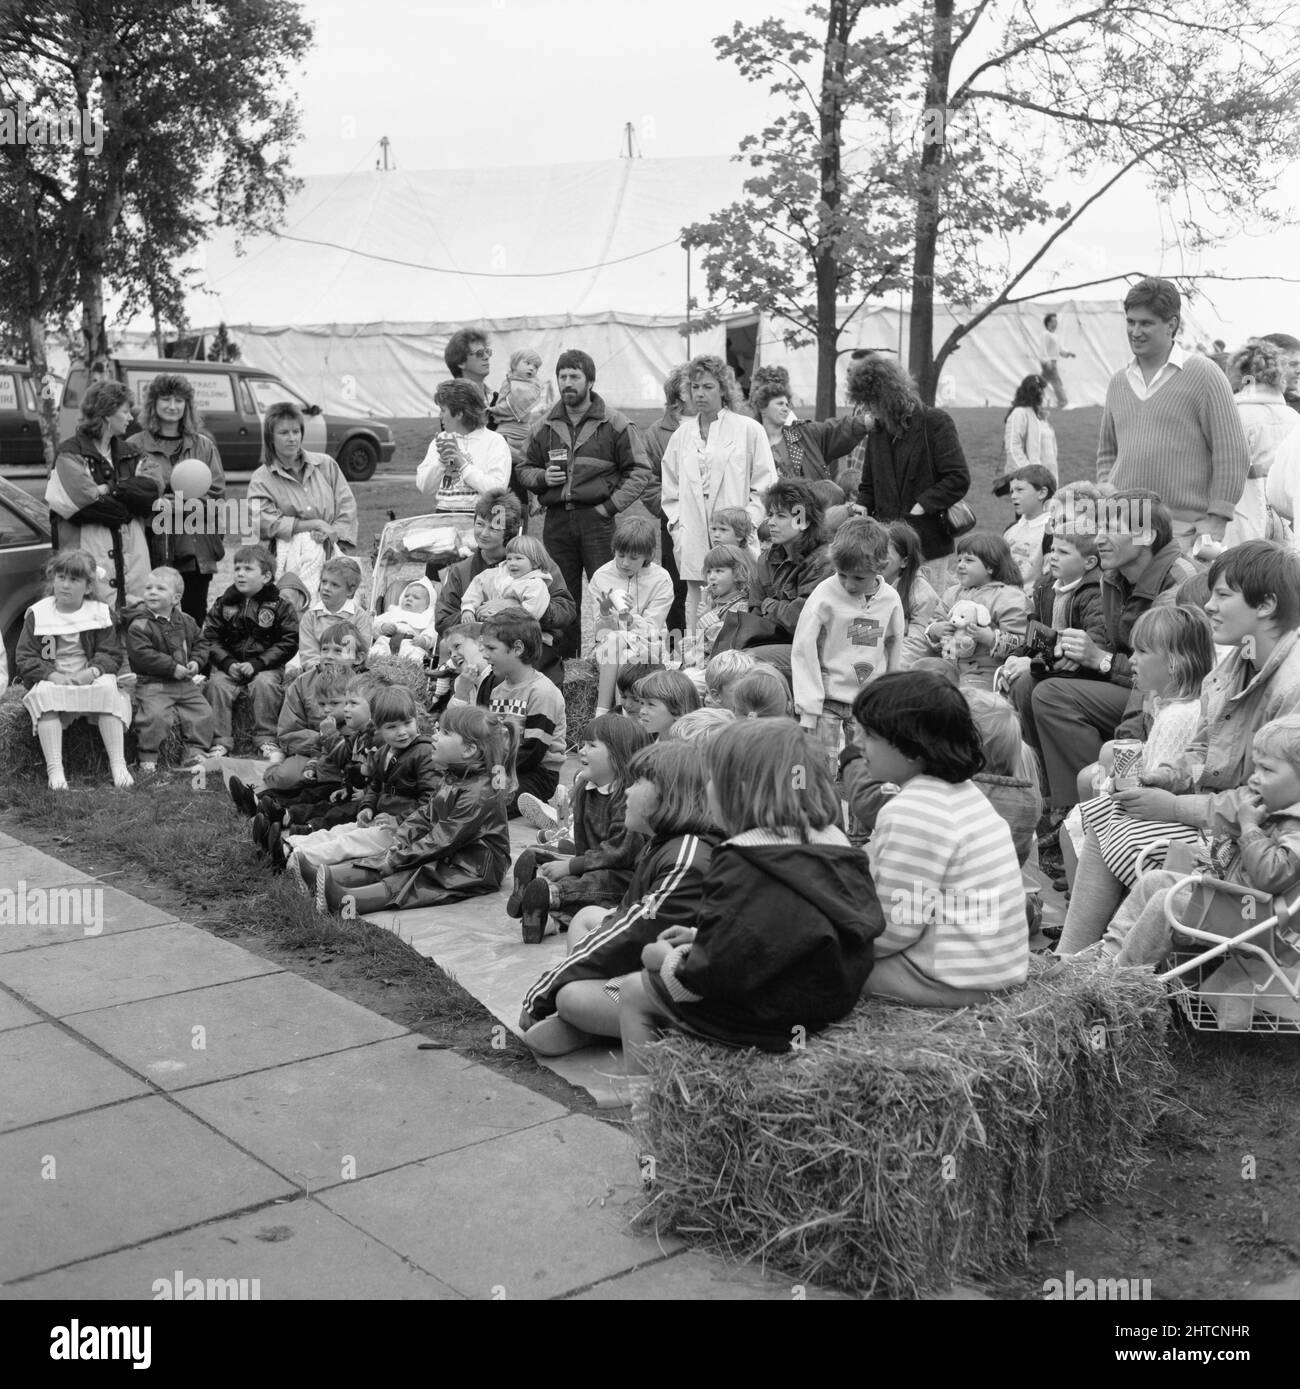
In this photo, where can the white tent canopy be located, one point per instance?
(353, 302)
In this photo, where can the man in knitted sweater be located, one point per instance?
(1171, 425)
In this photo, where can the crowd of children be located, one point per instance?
(829, 789)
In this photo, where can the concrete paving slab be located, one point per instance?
(15, 1014)
(57, 915)
(336, 1118)
(291, 1250)
(695, 1277)
(23, 863)
(49, 1074)
(101, 971)
(530, 1215)
(7, 841)
(90, 1184)
(246, 1026)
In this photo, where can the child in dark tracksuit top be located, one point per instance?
(606, 851)
(576, 1001)
(456, 845)
(783, 944)
(160, 645)
(248, 638)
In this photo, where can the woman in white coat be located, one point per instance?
(716, 461)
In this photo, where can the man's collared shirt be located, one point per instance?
(1140, 387)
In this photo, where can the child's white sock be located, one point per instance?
(599, 712)
(113, 731)
(50, 733)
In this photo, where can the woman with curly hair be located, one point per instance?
(677, 407)
(97, 502)
(718, 459)
(1027, 435)
(1258, 371)
(803, 448)
(913, 467)
(173, 430)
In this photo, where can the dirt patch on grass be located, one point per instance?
(191, 855)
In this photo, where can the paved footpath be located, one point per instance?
(174, 1106)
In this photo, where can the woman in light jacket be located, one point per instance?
(1028, 437)
(173, 430)
(465, 460)
(306, 510)
(717, 460)
(95, 472)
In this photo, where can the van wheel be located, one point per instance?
(358, 459)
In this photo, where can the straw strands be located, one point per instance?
(905, 1147)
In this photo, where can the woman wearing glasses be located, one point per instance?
(469, 358)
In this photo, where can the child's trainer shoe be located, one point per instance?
(268, 752)
(536, 811)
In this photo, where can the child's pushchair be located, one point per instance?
(406, 546)
(1235, 965)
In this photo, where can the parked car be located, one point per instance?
(232, 398)
(20, 420)
(24, 552)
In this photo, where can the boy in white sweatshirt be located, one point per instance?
(851, 630)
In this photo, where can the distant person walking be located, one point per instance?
(1052, 353)
(1170, 424)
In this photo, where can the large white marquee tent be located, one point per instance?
(355, 299)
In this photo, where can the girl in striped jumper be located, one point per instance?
(942, 858)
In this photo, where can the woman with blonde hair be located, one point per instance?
(1258, 372)
(719, 459)
(913, 467)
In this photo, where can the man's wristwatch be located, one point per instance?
(1104, 665)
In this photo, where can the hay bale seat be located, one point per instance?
(580, 687)
(83, 748)
(906, 1147)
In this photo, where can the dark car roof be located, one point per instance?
(25, 503)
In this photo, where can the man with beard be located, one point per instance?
(586, 463)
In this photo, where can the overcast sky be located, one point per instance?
(478, 83)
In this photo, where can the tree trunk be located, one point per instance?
(43, 385)
(826, 261)
(94, 334)
(920, 357)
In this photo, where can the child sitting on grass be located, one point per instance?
(306, 725)
(851, 630)
(1253, 840)
(250, 634)
(522, 580)
(986, 576)
(734, 526)
(920, 601)
(511, 643)
(398, 629)
(161, 643)
(728, 577)
(69, 657)
(606, 851)
(455, 844)
(626, 684)
(664, 696)
(722, 672)
(783, 940)
(632, 595)
(576, 1001)
(1032, 488)
(401, 775)
(472, 681)
(942, 858)
(760, 694)
(332, 784)
(335, 602)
